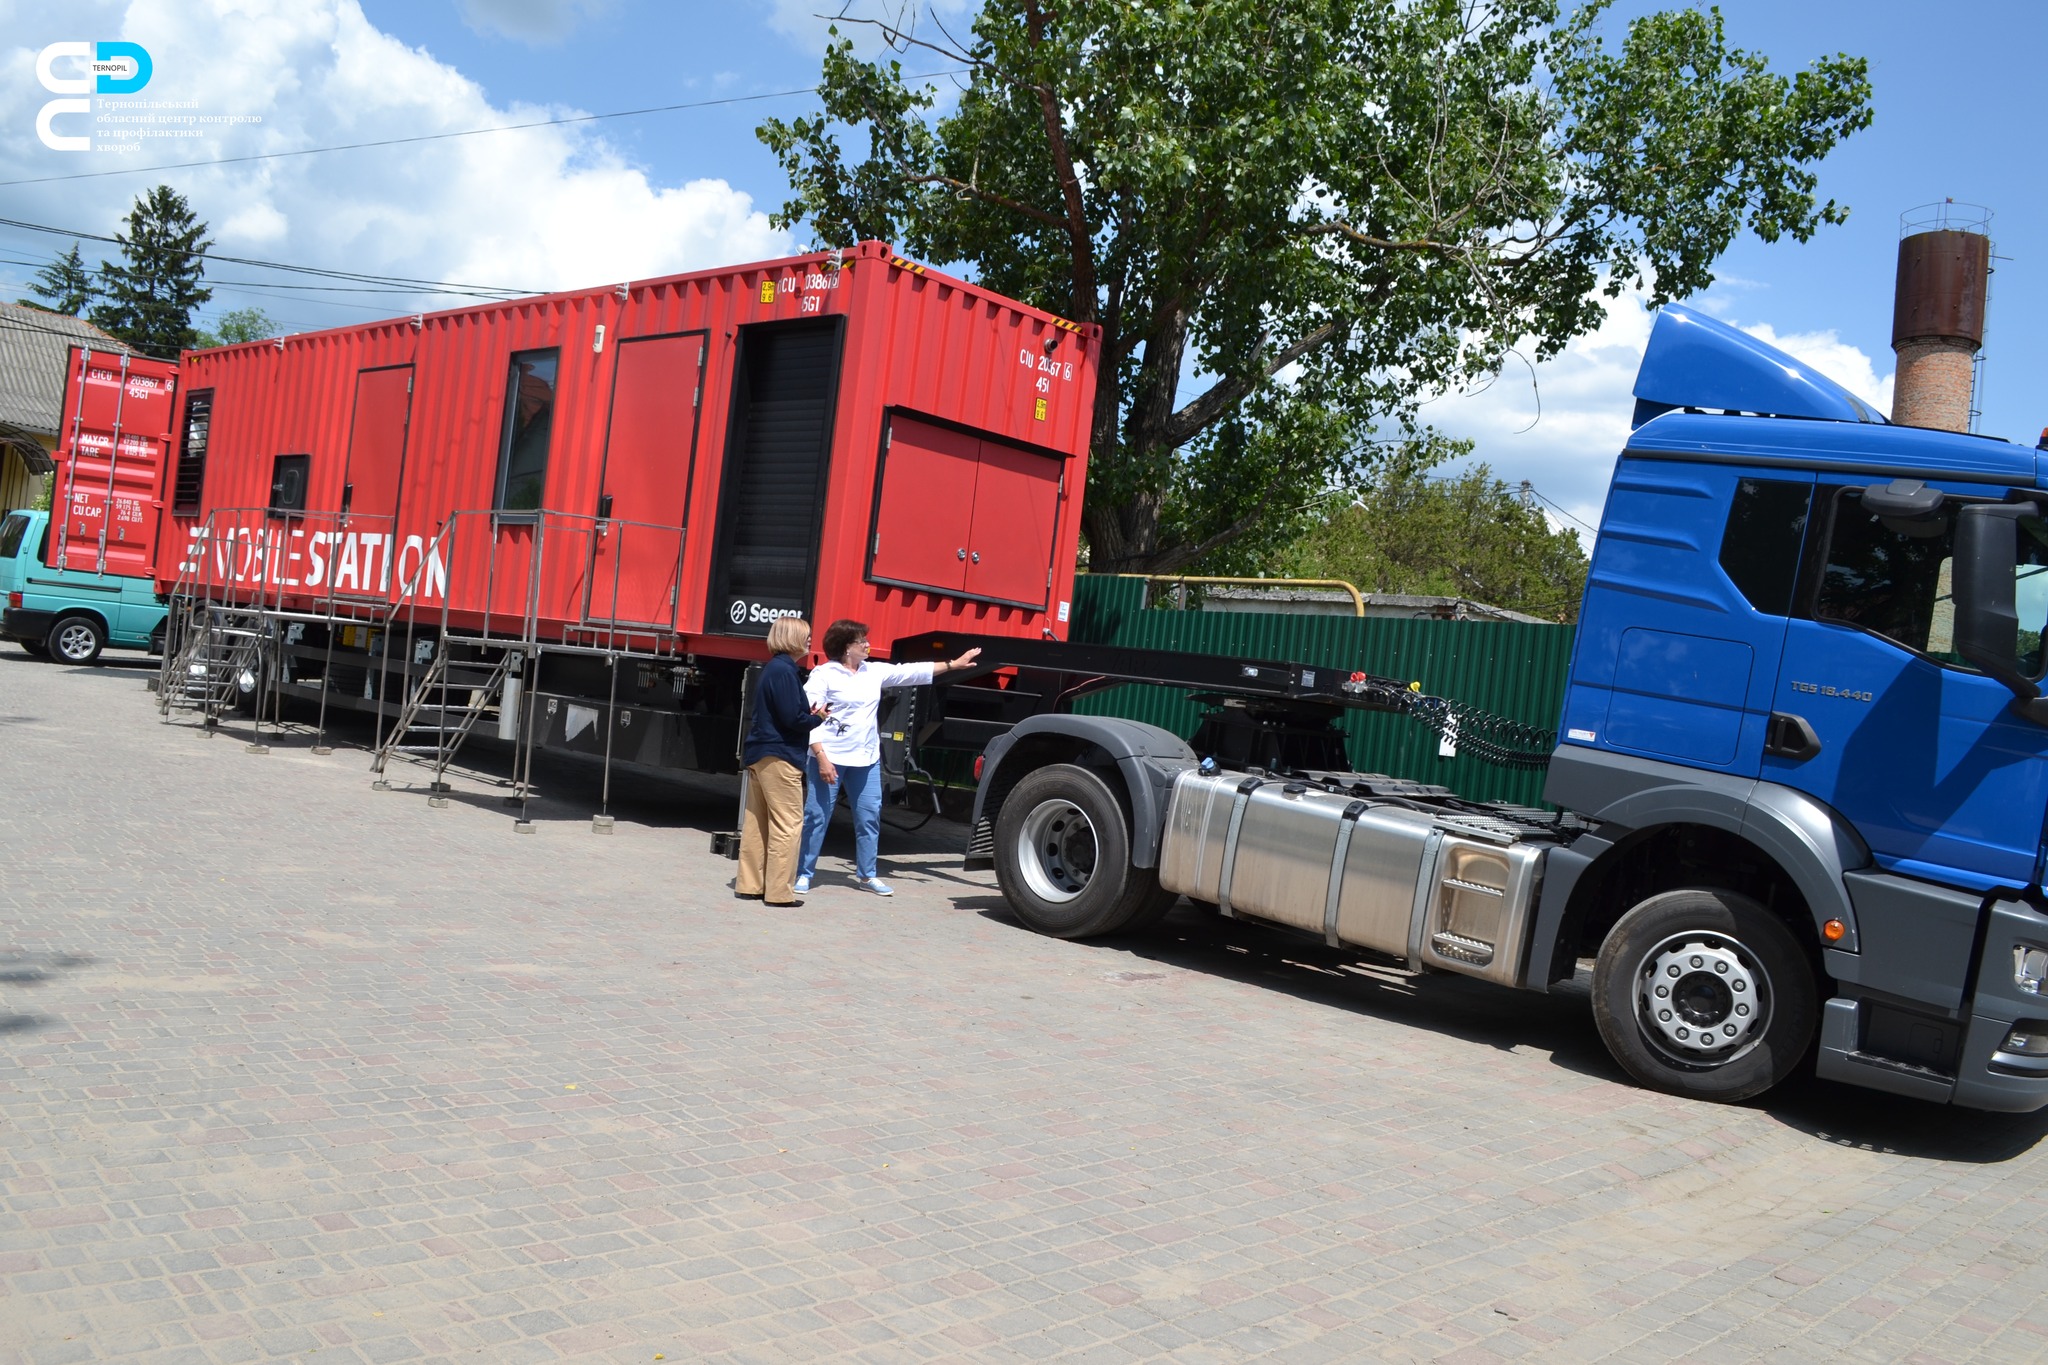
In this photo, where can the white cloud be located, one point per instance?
(539, 209)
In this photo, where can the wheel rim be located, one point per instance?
(1056, 850)
(75, 641)
(1702, 999)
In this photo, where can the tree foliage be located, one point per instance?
(1467, 536)
(148, 300)
(238, 325)
(62, 286)
(1293, 219)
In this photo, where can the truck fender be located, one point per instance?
(1807, 839)
(1148, 757)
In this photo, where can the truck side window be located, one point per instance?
(529, 418)
(1760, 547)
(1891, 577)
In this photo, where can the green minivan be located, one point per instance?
(66, 614)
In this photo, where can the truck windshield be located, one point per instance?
(12, 529)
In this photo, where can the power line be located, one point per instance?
(482, 291)
(441, 137)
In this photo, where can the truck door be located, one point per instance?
(650, 446)
(1877, 716)
(376, 455)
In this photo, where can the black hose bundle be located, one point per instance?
(1489, 738)
(1498, 740)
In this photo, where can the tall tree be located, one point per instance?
(148, 300)
(1294, 219)
(1466, 536)
(64, 285)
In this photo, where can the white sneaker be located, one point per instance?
(802, 886)
(874, 884)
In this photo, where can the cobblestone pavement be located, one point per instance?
(291, 1068)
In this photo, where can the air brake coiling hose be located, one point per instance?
(1498, 740)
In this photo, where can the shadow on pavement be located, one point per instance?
(30, 969)
(1848, 1116)
(1560, 1023)
(1197, 939)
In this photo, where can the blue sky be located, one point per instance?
(1957, 116)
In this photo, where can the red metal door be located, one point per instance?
(636, 560)
(1016, 512)
(376, 457)
(924, 514)
(111, 456)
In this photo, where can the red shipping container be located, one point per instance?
(111, 455)
(667, 465)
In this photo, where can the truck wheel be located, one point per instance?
(156, 639)
(1063, 854)
(76, 640)
(1704, 994)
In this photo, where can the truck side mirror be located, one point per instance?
(1983, 576)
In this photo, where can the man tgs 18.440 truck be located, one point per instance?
(1800, 776)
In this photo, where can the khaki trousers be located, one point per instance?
(771, 834)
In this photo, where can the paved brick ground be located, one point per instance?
(294, 1069)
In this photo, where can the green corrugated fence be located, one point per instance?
(1509, 668)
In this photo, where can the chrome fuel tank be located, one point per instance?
(1448, 891)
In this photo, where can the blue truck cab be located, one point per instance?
(1809, 671)
(67, 614)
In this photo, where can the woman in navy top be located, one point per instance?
(772, 830)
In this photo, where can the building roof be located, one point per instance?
(33, 348)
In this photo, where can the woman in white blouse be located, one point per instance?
(847, 749)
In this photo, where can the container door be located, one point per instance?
(924, 511)
(376, 457)
(117, 424)
(637, 558)
(771, 499)
(1016, 512)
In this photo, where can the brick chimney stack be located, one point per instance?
(1938, 313)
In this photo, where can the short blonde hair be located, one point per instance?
(790, 635)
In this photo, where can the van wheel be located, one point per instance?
(1705, 994)
(1063, 854)
(34, 648)
(76, 640)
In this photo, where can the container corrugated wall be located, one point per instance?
(1508, 668)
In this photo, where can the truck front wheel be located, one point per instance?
(1704, 994)
(1063, 854)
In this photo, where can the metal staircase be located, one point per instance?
(215, 646)
(444, 707)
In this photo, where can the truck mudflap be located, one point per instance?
(1992, 1054)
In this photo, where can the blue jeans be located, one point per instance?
(863, 793)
